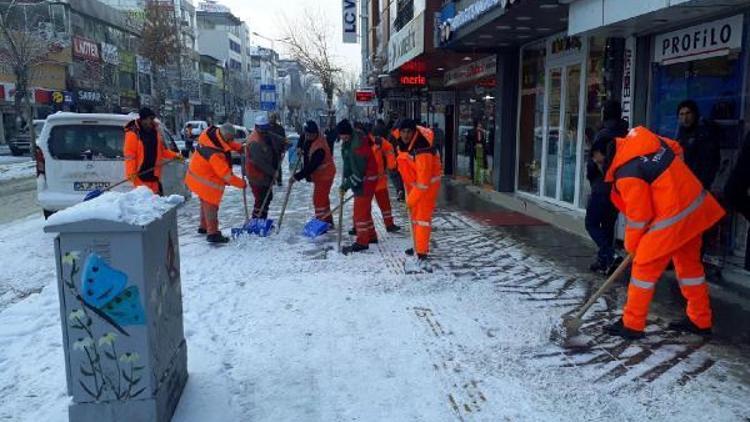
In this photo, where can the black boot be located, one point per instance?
(393, 228)
(217, 238)
(687, 326)
(409, 251)
(598, 267)
(620, 330)
(201, 230)
(374, 241)
(354, 247)
(613, 266)
(353, 232)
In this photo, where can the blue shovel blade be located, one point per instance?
(264, 227)
(93, 194)
(315, 227)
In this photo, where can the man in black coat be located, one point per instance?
(700, 141)
(279, 131)
(601, 215)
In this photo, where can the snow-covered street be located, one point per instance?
(285, 329)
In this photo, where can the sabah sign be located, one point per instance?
(407, 43)
(349, 21)
(710, 39)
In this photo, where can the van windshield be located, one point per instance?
(86, 142)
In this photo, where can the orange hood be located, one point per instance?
(638, 142)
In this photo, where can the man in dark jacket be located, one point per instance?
(601, 215)
(700, 141)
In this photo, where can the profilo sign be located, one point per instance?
(349, 21)
(407, 43)
(702, 41)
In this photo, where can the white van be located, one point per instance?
(77, 153)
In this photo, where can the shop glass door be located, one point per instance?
(561, 146)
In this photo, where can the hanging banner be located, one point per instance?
(628, 81)
(702, 41)
(349, 21)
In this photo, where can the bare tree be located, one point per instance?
(309, 43)
(159, 45)
(26, 46)
(345, 90)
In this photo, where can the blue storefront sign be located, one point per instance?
(268, 97)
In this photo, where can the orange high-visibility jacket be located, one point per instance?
(134, 153)
(326, 171)
(385, 159)
(664, 203)
(423, 162)
(210, 168)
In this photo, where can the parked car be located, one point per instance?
(21, 143)
(198, 127)
(240, 135)
(77, 153)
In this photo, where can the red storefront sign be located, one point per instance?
(42, 96)
(413, 80)
(85, 49)
(365, 98)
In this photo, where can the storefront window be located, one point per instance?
(569, 139)
(531, 120)
(476, 128)
(553, 133)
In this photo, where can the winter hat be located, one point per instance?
(145, 113)
(311, 127)
(407, 124)
(261, 122)
(380, 130)
(344, 128)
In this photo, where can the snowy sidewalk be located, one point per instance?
(285, 329)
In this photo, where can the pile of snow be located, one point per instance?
(16, 168)
(137, 207)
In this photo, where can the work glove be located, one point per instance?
(133, 178)
(180, 158)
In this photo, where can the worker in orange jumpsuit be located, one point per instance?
(361, 176)
(210, 170)
(667, 210)
(421, 171)
(385, 158)
(145, 152)
(394, 138)
(318, 168)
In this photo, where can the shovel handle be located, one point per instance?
(330, 213)
(341, 218)
(612, 278)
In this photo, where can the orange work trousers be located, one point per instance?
(363, 218)
(384, 203)
(209, 217)
(690, 275)
(421, 220)
(322, 200)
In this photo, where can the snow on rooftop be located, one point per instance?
(137, 207)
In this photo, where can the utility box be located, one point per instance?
(121, 313)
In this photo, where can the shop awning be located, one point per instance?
(504, 24)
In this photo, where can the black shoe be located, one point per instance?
(217, 238)
(202, 231)
(613, 266)
(620, 330)
(374, 241)
(422, 257)
(393, 228)
(409, 251)
(598, 267)
(352, 232)
(354, 247)
(687, 326)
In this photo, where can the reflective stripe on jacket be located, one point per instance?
(326, 171)
(422, 163)
(210, 167)
(665, 205)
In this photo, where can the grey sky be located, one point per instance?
(266, 16)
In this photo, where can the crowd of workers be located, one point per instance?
(660, 185)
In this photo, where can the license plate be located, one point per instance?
(89, 186)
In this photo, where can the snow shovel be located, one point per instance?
(317, 226)
(571, 323)
(341, 218)
(286, 196)
(97, 192)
